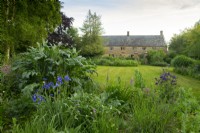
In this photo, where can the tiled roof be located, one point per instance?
(136, 40)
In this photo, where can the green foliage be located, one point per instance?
(156, 57)
(189, 111)
(117, 109)
(194, 38)
(186, 66)
(26, 22)
(182, 61)
(170, 55)
(49, 62)
(167, 87)
(91, 44)
(139, 81)
(187, 42)
(20, 109)
(114, 61)
(150, 115)
(178, 43)
(81, 111)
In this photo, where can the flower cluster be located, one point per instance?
(59, 82)
(166, 77)
(38, 98)
(48, 85)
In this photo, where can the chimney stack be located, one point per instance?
(161, 33)
(127, 33)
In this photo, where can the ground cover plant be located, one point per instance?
(115, 61)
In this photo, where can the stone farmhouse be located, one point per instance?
(133, 45)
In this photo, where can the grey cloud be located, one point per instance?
(178, 4)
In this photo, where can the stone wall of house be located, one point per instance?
(129, 51)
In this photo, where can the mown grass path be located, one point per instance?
(149, 73)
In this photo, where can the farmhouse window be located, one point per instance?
(122, 48)
(144, 48)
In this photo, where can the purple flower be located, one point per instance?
(46, 86)
(57, 85)
(34, 98)
(52, 95)
(66, 78)
(51, 84)
(59, 80)
(41, 98)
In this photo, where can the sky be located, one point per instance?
(139, 17)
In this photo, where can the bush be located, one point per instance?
(170, 55)
(186, 66)
(20, 109)
(182, 61)
(156, 57)
(115, 61)
(44, 64)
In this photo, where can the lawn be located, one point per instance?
(149, 73)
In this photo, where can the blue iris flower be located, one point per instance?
(34, 98)
(41, 98)
(51, 84)
(57, 85)
(67, 78)
(46, 86)
(59, 80)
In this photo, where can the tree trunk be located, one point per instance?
(7, 54)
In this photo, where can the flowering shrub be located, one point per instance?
(167, 86)
(29, 68)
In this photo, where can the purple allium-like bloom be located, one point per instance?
(67, 78)
(34, 98)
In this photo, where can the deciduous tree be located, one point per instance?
(91, 44)
(64, 33)
(26, 22)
